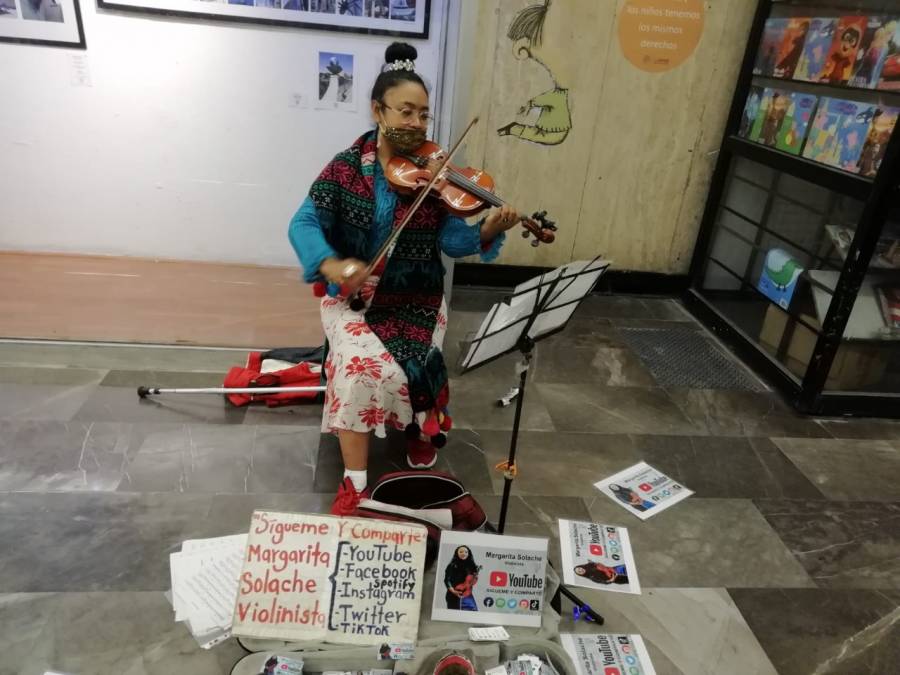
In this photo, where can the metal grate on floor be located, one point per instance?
(683, 357)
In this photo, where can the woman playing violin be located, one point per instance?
(384, 367)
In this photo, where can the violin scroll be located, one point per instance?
(539, 227)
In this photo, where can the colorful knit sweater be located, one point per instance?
(405, 307)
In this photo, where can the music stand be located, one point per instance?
(538, 308)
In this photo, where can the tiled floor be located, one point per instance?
(786, 560)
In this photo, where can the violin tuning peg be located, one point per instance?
(525, 234)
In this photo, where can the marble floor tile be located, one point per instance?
(840, 544)
(47, 455)
(612, 410)
(119, 357)
(719, 412)
(862, 428)
(223, 458)
(92, 541)
(162, 378)
(42, 375)
(102, 633)
(120, 404)
(302, 414)
(615, 307)
(688, 631)
(43, 401)
(560, 464)
(721, 466)
(561, 360)
(117, 541)
(462, 457)
(825, 632)
(847, 469)
(473, 403)
(704, 543)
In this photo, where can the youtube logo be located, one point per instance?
(596, 549)
(646, 487)
(499, 578)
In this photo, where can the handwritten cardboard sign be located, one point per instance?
(342, 580)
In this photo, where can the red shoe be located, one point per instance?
(420, 454)
(347, 499)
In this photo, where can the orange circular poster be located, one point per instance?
(657, 35)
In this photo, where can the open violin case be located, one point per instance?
(436, 639)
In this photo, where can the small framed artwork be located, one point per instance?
(53, 23)
(399, 18)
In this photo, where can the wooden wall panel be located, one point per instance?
(630, 179)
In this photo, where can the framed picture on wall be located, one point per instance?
(54, 23)
(401, 18)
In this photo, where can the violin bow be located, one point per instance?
(389, 243)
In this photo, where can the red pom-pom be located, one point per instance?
(319, 289)
(431, 426)
(446, 423)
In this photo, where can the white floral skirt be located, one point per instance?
(366, 389)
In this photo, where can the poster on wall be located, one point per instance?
(54, 23)
(401, 18)
(334, 73)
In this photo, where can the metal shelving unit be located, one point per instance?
(761, 198)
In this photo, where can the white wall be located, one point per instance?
(185, 146)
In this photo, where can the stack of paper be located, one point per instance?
(205, 584)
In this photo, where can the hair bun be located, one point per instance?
(400, 51)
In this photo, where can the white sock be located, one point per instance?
(358, 478)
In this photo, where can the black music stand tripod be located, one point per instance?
(537, 309)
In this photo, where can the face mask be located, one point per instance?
(404, 140)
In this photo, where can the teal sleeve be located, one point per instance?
(306, 236)
(459, 239)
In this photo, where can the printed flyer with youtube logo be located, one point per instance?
(597, 556)
(490, 579)
(604, 654)
(642, 490)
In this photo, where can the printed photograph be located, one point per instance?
(8, 9)
(403, 10)
(350, 7)
(324, 6)
(335, 77)
(42, 10)
(378, 9)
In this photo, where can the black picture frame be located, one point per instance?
(233, 12)
(47, 28)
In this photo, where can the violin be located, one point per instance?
(465, 191)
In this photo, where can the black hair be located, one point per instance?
(852, 32)
(387, 79)
(529, 24)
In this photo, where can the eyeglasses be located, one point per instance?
(408, 114)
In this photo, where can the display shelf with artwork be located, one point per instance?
(797, 263)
